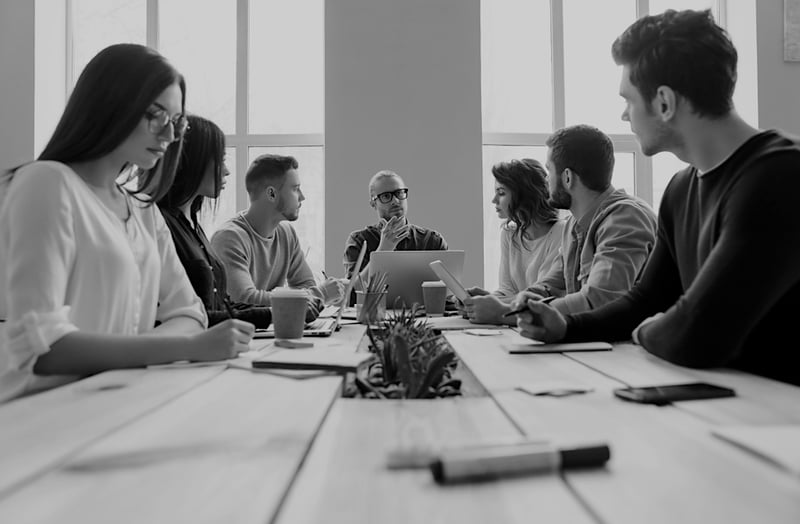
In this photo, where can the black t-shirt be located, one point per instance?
(725, 270)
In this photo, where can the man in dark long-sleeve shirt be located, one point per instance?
(722, 286)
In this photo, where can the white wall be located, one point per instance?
(16, 82)
(778, 81)
(403, 92)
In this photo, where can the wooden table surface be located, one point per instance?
(221, 444)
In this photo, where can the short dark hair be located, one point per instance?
(203, 143)
(585, 150)
(266, 169)
(684, 50)
(526, 180)
(109, 100)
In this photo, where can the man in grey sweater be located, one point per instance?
(260, 248)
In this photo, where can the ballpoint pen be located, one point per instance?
(228, 307)
(524, 308)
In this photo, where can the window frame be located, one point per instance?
(623, 143)
(241, 140)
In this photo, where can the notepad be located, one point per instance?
(539, 347)
(778, 443)
(324, 359)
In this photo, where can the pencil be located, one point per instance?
(228, 307)
(523, 309)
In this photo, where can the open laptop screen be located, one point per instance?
(407, 270)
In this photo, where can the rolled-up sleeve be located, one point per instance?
(39, 250)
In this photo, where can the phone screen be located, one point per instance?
(662, 395)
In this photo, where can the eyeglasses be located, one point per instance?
(386, 197)
(158, 120)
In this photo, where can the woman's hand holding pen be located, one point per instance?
(222, 341)
(537, 320)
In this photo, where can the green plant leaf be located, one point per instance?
(434, 373)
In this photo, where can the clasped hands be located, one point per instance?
(393, 231)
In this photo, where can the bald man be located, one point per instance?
(388, 196)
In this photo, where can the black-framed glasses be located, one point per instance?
(158, 120)
(386, 197)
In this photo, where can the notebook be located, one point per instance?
(324, 359)
(407, 270)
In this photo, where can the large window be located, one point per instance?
(254, 67)
(546, 65)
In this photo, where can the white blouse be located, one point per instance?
(68, 263)
(521, 267)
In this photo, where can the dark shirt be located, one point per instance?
(725, 270)
(207, 274)
(418, 239)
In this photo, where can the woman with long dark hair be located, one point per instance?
(530, 238)
(89, 278)
(200, 178)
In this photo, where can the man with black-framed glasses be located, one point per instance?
(388, 195)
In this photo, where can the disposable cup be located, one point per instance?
(289, 312)
(434, 294)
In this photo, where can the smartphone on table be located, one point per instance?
(662, 395)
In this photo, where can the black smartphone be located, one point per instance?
(662, 395)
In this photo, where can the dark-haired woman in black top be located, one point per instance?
(201, 174)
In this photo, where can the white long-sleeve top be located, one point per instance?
(522, 266)
(68, 263)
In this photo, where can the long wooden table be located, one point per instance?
(219, 444)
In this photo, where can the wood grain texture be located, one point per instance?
(665, 465)
(345, 478)
(759, 400)
(226, 452)
(40, 432)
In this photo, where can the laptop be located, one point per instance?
(407, 270)
(321, 327)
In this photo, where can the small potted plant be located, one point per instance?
(414, 360)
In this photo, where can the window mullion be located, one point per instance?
(69, 48)
(152, 24)
(242, 102)
(557, 57)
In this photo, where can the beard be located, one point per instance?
(560, 198)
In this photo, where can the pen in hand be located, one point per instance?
(228, 307)
(524, 308)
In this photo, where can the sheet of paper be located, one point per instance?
(779, 444)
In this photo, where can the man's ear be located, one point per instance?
(665, 103)
(372, 203)
(568, 177)
(271, 193)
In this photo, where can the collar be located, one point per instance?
(582, 223)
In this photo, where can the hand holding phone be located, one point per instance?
(663, 395)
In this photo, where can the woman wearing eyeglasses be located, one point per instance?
(529, 242)
(201, 175)
(89, 278)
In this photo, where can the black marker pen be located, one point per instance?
(491, 462)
